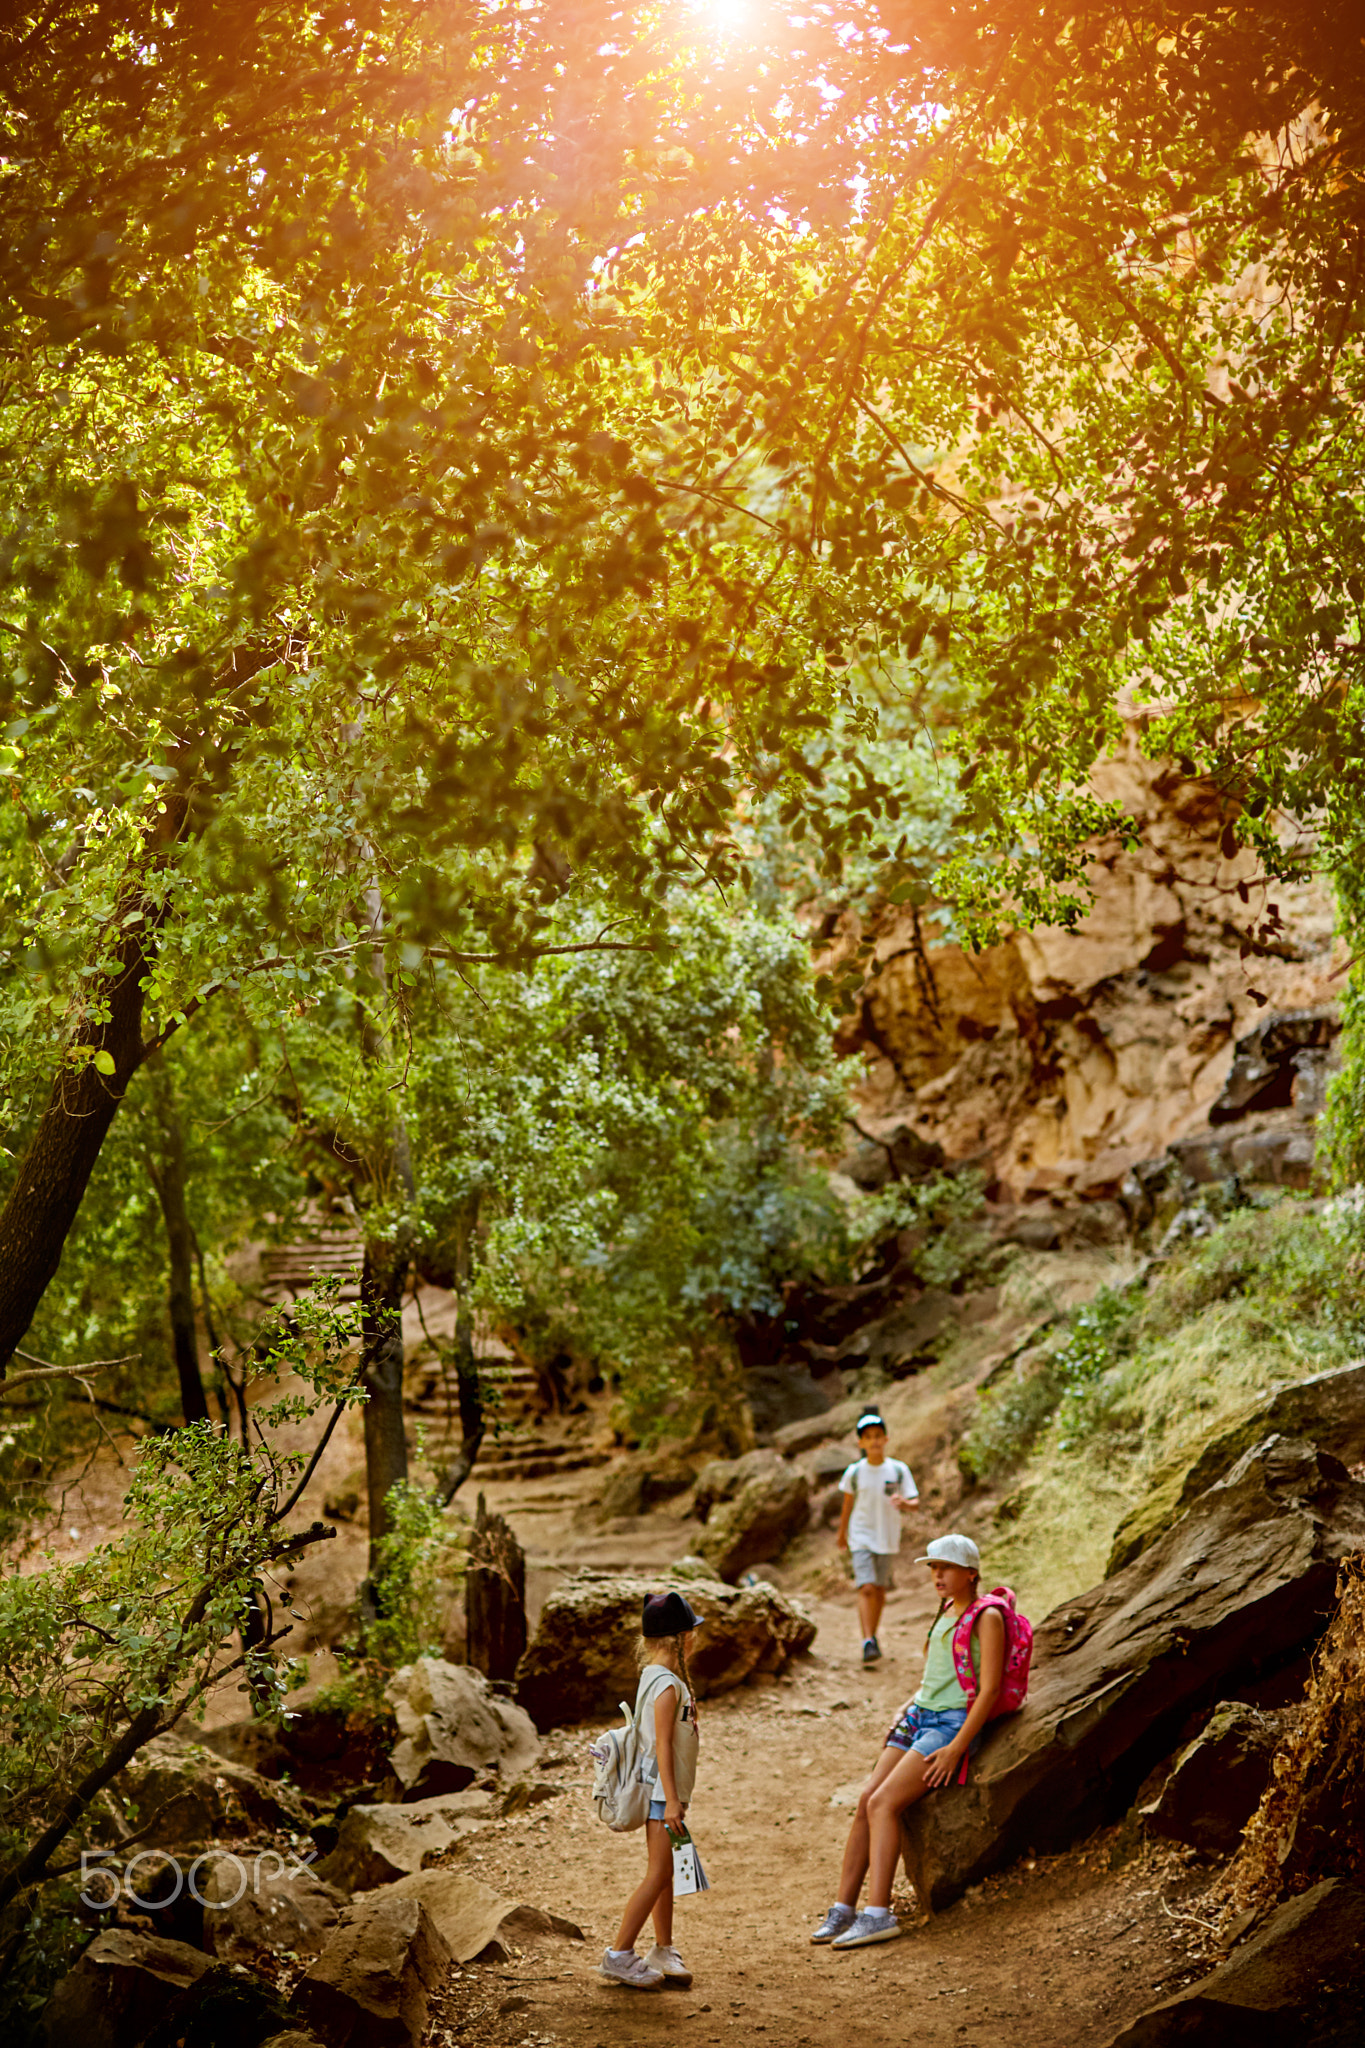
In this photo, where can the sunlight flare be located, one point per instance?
(724, 18)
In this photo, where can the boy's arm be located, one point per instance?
(845, 1516)
(907, 1503)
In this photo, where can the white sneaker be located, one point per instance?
(872, 1924)
(630, 1970)
(838, 1920)
(670, 1966)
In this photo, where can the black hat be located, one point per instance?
(667, 1614)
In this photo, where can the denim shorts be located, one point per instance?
(925, 1729)
(658, 1807)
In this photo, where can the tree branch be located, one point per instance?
(196, 1003)
(311, 1467)
(153, 1720)
(58, 1372)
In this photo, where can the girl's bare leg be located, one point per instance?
(856, 1850)
(663, 1905)
(663, 1909)
(649, 1894)
(899, 1788)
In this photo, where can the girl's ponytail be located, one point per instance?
(681, 1645)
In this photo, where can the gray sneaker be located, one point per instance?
(836, 1921)
(871, 1925)
(631, 1971)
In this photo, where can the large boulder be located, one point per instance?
(643, 1481)
(1328, 1409)
(753, 1507)
(195, 1796)
(582, 1659)
(1297, 1983)
(902, 1341)
(1218, 1779)
(322, 1748)
(256, 1906)
(120, 1989)
(901, 1155)
(1238, 1587)
(227, 2006)
(836, 1422)
(373, 1982)
(377, 1844)
(1311, 1822)
(787, 1391)
(453, 1729)
(720, 1479)
(475, 1923)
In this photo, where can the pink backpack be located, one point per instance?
(1018, 1655)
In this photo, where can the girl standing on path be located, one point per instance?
(667, 1715)
(933, 1733)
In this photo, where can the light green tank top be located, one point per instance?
(939, 1689)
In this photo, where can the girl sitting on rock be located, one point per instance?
(933, 1734)
(666, 1711)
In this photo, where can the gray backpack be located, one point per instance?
(620, 1790)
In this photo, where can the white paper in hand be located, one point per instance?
(688, 1875)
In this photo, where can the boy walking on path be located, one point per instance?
(877, 1491)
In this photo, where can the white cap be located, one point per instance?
(953, 1550)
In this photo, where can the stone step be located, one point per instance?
(545, 1465)
(502, 1386)
(290, 1268)
(508, 1443)
(438, 1407)
(516, 1389)
(297, 1264)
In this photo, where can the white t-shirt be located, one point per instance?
(875, 1523)
(654, 1679)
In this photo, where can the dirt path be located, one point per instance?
(1055, 1953)
(1061, 1951)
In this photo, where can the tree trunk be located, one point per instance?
(382, 1282)
(466, 1376)
(168, 1178)
(495, 1597)
(55, 1170)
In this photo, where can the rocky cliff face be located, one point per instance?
(1059, 1061)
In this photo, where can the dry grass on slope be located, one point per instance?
(1109, 1417)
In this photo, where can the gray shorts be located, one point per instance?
(872, 1568)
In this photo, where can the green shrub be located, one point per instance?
(1059, 1382)
(1115, 1413)
(1341, 1133)
(417, 1564)
(1299, 1269)
(1009, 1419)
